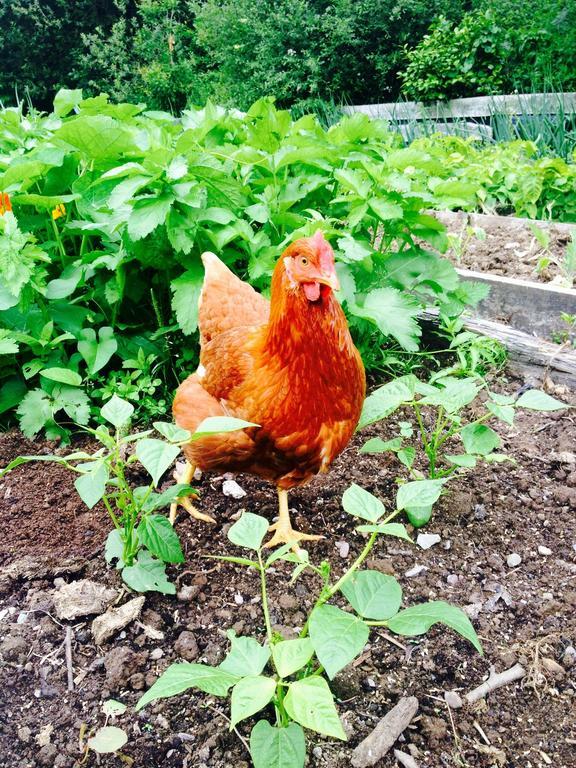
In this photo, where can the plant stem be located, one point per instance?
(265, 599)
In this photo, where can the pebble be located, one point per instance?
(513, 560)
(453, 700)
(427, 540)
(24, 734)
(238, 599)
(452, 579)
(479, 511)
(544, 551)
(231, 488)
(115, 619)
(156, 654)
(415, 571)
(82, 598)
(188, 592)
(343, 548)
(317, 752)
(186, 646)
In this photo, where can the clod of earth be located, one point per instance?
(115, 619)
(82, 598)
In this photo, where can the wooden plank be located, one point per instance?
(534, 308)
(475, 106)
(487, 219)
(528, 355)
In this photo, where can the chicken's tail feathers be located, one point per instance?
(226, 301)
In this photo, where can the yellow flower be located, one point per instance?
(60, 210)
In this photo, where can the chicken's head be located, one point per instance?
(309, 265)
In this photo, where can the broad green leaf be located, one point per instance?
(452, 394)
(97, 136)
(183, 675)
(246, 656)
(536, 400)
(10, 347)
(479, 439)
(418, 619)
(63, 375)
(498, 458)
(503, 412)
(419, 515)
(250, 695)
(185, 294)
(388, 529)
(148, 575)
(275, 747)
(65, 101)
(394, 313)
(418, 493)
(338, 637)
(147, 214)
(249, 531)
(360, 503)
(372, 594)
(97, 351)
(156, 456)
(114, 548)
(310, 703)
(462, 459)
(385, 209)
(377, 445)
(34, 411)
(91, 486)
(386, 399)
(406, 456)
(117, 411)
(214, 425)
(111, 707)
(172, 432)
(291, 655)
(157, 534)
(107, 739)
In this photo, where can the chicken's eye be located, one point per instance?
(304, 261)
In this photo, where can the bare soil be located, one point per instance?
(523, 614)
(507, 246)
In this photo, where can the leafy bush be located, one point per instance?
(112, 208)
(498, 47)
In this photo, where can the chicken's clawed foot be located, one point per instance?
(284, 533)
(185, 477)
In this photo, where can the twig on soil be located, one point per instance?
(481, 732)
(217, 711)
(496, 680)
(406, 760)
(68, 651)
(382, 738)
(393, 640)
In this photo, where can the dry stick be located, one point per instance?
(68, 651)
(382, 738)
(406, 760)
(496, 680)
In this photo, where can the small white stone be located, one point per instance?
(343, 548)
(513, 560)
(415, 571)
(427, 540)
(231, 488)
(317, 752)
(156, 654)
(238, 599)
(544, 551)
(453, 700)
(452, 579)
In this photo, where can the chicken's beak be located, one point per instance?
(331, 280)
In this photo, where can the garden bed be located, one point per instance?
(524, 613)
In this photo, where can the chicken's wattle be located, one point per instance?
(312, 291)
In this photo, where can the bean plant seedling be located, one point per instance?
(439, 421)
(142, 541)
(290, 677)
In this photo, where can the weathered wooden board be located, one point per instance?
(529, 355)
(534, 308)
(513, 222)
(476, 106)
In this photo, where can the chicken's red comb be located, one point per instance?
(324, 250)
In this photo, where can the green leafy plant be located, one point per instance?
(143, 541)
(288, 677)
(439, 432)
(109, 738)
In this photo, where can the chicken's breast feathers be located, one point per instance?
(227, 302)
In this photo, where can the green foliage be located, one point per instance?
(112, 208)
(499, 47)
(142, 541)
(289, 673)
(440, 423)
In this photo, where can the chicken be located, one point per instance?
(288, 365)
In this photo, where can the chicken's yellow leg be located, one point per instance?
(184, 478)
(284, 533)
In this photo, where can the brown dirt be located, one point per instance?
(497, 510)
(507, 246)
